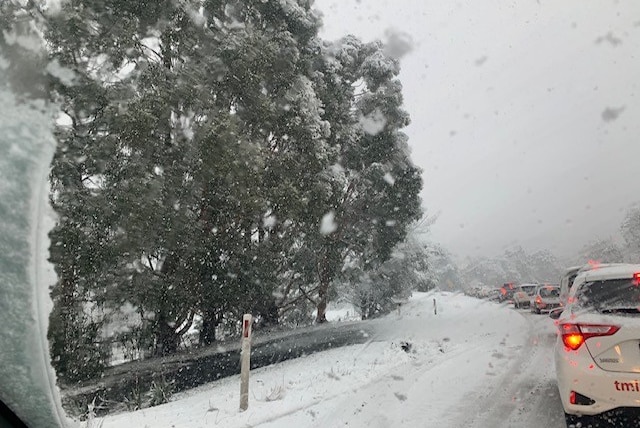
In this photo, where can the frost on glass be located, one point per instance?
(26, 147)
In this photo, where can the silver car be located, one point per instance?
(546, 298)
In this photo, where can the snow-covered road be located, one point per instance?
(473, 364)
(525, 395)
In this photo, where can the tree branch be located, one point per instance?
(304, 293)
(188, 323)
(283, 308)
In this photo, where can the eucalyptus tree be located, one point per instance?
(215, 157)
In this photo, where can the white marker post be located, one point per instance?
(245, 362)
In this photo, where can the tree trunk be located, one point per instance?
(166, 338)
(269, 314)
(321, 307)
(324, 273)
(364, 313)
(208, 330)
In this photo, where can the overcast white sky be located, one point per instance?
(525, 114)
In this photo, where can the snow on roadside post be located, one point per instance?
(245, 361)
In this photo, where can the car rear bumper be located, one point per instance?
(545, 307)
(576, 371)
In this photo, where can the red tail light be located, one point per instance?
(574, 335)
(538, 299)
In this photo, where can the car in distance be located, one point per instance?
(545, 298)
(566, 281)
(506, 292)
(597, 353)
(522, 296)
(494, 295)
(570, 275)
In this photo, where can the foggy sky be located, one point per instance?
(525, 114)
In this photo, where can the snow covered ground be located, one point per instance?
(472, 361)
(340, 312)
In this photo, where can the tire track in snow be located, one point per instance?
(351, 401)
(526, 394)
(408, 394)
(429, 389)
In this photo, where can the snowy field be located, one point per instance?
(419, 367)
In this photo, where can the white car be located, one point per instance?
(597, 355)
(566, 281)
(522, 297)
(545, 298)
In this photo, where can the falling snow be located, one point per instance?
(269, 221)
(611, 114)
(328, 224)
(373, 123)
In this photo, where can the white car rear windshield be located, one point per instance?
(549, 292)
(610, 296)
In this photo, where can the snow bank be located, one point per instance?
(416, 368)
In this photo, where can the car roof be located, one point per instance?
(547, 286)
(610, 271)
(573, 269)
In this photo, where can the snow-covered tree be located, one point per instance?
(376, 291)
(630, 229)
(371, 186)
(218, 158)
(604, 250)
(515, 266)
(441, 270)
(486, 271)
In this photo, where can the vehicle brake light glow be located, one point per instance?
(636, 279)
(572, 397)
(574, 335)
(573, 341)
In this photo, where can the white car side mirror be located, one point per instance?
(555, 313)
